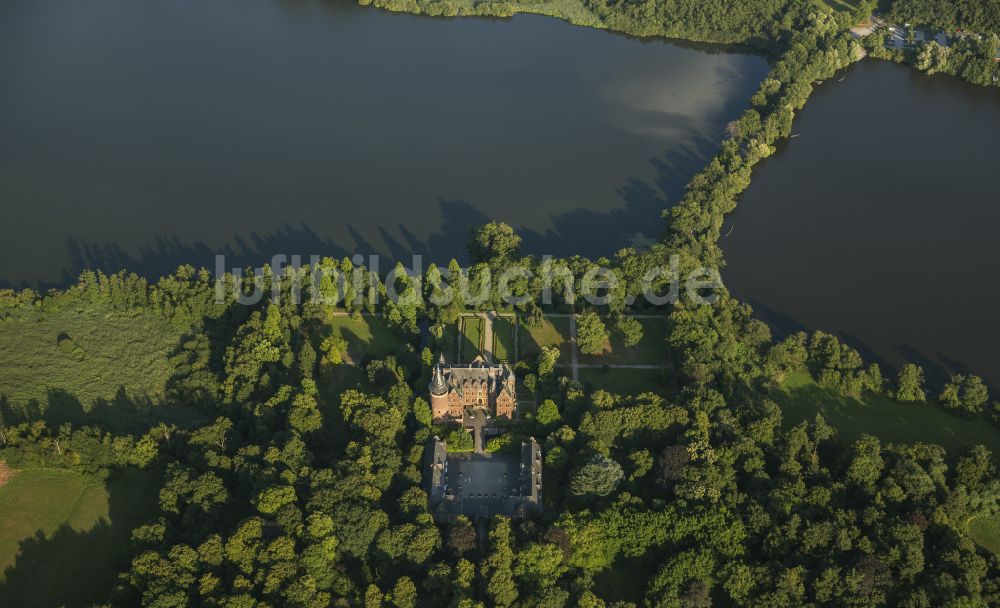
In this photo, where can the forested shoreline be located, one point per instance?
(757, 23)
(970, 58)
(982, 16)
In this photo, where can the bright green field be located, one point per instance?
(651, 349)
(471, 338)
(503, 339)
(986, 533)
(64, 538)
(367, 337)
(625, 381)
(801, 399)
(65, 363)
(554, 331)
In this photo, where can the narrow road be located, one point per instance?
(488, 319)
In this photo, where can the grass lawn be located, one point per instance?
(554, 331)
(503, 339)
(651, 349)
(367, 337)
(986, 533)
(625, 381)
(66, 363)
(801, 399)
(64, 538)
(471, 338)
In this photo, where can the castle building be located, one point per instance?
(481, 486)
(461, 391)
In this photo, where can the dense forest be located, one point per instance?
(300, 491)
(969, 58)
(299, 482)
(759, 23)
(970, 15)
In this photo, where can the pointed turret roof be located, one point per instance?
(438, 385)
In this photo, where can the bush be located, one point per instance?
(460, 440)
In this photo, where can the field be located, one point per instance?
(801, 399)
(651, 349)
(70, 365)
(554, 331)
(64, 538)
(503, 339)
(986, 533)
(367, 337)
(624, 380)
(471, 340)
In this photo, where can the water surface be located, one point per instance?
(880, 221)
(147, 134)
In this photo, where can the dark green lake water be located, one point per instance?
(149, 134)
(880, 221)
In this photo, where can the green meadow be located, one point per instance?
(366, 336)
(64, 537)
(651, 349)
(801, 399)
(90, 366)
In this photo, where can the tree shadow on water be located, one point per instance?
(588, 232)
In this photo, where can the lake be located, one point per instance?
(150, 134)
(879, 221)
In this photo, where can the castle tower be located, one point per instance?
(439, 394)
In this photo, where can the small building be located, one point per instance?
(459, 391)
(481, 486)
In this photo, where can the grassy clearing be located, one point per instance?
(840, 5)
(503, 339)
(801, 399)
(625, 381)
(471, 338)
(74, 364)
(986, 533)
(367, 337)
(554, 331)
(333, 381)
(651, 349)
(64, 537)
(91, 354)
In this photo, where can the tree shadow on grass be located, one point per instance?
(70, 567)
(123, 413)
